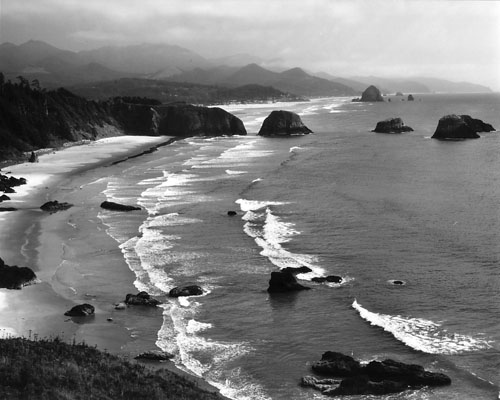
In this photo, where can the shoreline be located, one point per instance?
(68, 250)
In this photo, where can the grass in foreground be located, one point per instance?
(54, 370)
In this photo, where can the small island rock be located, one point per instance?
(371, 94)
(81, 310)
(411, 98)
(454, 127)
(283, 123)
(192, 290)
(53, 206)
(141, 299)
(109, 205)
(284, 281)
(392, 125)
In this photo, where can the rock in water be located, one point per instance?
(109, 205)
(284, 281)
(81, 310)
(192, 290)
(188, 120)
(155, 355)
(283, 123)
(141, 299)
(376, 378)
(454, 127)
(410, 97)
(371, 94)
(477, 124)
(14, 277)
(336, 364)
(392, 125)
(53, 206)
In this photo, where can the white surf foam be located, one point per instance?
(232, 172)
(421, 334)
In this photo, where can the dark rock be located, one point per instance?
(192, 290)
(397, 282)
(334, 279)
(371, 94)
(376, 378)
(298, 270)
(8, 209)
(329, 278)
(281, 282)
(232, 213)
(155, 355)
(410, 97)
(454, 127)
(81, 310)
(476, 124)
(188, 120)
(14, 277)
(4, 197)
(411, 374)
(109, 205)
(392, 125)
(33, 157)
(336, 364)
(53, 206)
(399, 93)
(141, 299)
(283, 123)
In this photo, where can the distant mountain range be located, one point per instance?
(54, 67)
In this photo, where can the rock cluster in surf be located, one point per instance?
(81, 310)
(53, 206)
(110, 205)
(141, 299)
(284, 281)
(347, 376)
(283, 123)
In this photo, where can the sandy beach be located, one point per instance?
(73, 257)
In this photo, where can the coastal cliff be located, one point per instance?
(32, 118)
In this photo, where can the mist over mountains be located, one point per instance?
(54, 67)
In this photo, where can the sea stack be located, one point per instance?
(392, 125)
(371, 94)
(283, 123)
(459, 127)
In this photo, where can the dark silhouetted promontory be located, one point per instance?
(283, 123)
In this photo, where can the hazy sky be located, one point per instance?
(457, 40)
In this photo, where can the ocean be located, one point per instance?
(372, 208)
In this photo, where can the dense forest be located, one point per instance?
(32, 117)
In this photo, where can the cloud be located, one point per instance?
(337, 36)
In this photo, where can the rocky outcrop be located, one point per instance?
(376, 378)
(392, 125)
(283, 123)
(454, 127)
(14, 277)
(188, 120)
(477, 124)
(329, 278)
(141, 299)
(109, 205)
(81, 310)
(4, 197)
(155, 355)
(284, 281)
(371, 94)
(297, 270)
(53, 206)
(136, 119)
(7, 183)
(192, 290)
(410, 97)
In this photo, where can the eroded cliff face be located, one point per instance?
(188, 120)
